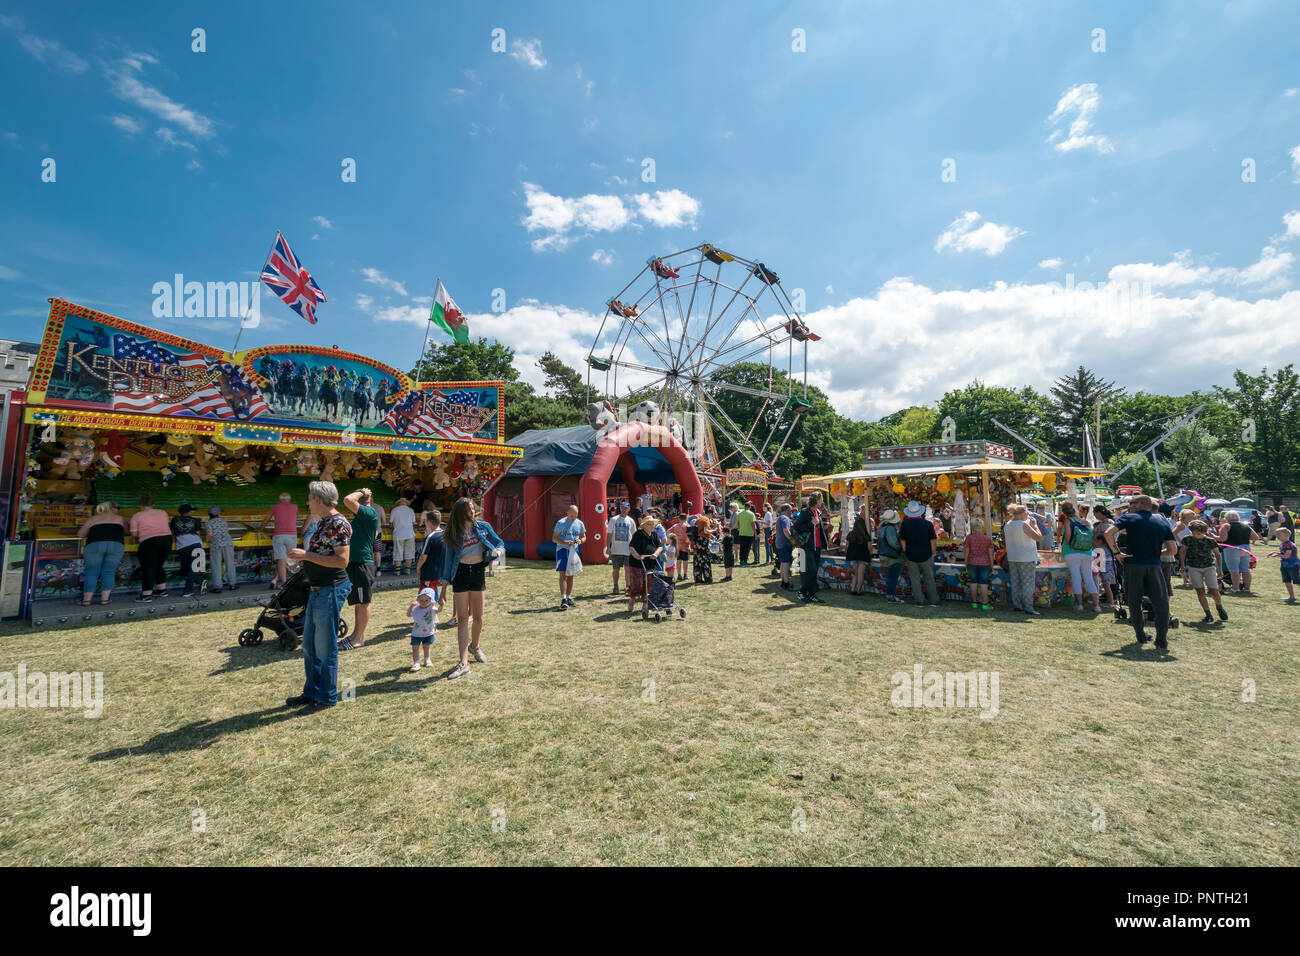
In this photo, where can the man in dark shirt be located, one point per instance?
(1147, 536)
(918, 537)
(361, 563)
(811, 523)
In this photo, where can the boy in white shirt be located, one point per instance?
(619, 533)
(424, 621)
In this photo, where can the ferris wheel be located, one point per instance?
(681, 325)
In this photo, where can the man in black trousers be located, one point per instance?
(1147, 537)
(812, 524)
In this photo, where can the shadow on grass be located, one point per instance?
(1141, 652)
(242, 658)
(201, 733)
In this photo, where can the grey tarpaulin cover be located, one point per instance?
(568, 451)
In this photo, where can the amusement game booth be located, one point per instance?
(587, 467)
(974, 479)
(116, 410)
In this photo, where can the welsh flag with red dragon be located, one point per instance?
(447, 316)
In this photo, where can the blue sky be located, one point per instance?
(522, 171)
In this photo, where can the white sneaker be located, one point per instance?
(415, 667)
(460, 670)
(477, 654)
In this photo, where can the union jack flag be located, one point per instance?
(291, 282)
(152, 380)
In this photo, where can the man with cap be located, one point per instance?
(619, 531)
(918, 537)
(187, 529)
(890, 548)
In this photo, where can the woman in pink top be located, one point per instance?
(283, 518)
(149, 526)
(979, 564)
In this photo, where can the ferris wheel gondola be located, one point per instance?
(681, 325)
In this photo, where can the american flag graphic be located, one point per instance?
(158, 390)
(286, 277)
(414, 410)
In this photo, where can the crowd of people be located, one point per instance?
(1130, 554)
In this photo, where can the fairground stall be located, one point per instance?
(956, 481)
(116, 410)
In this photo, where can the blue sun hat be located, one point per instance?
(914, 509)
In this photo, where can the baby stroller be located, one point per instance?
(284, 613)
(662, 592)
(1121, 602)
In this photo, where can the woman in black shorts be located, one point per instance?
(468, 546)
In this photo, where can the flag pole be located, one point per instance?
(258, 287)
(419, 365)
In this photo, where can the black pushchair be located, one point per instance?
(284, 613)
(662, 592)
(1121, 601)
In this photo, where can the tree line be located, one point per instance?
(1246, 439)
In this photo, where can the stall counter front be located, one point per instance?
(1051, 580)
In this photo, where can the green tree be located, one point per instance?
(475, 361)
(1268, 406)
(1076, 397)
(563, 383)
(1194, 458)
(485, 360)
(912, 425)
(1142, 473)
(821, 442)
(974, 407)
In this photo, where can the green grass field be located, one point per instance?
(766, 737)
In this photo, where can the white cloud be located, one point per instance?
(1293, 91)
(364, 302)
(322, 222)
(590, 125)
(1082, 101)
(830, 290)
(963, 235)
(565, 221)
(168, 136)
(315, 236)
(865, 361)
(1295, 163)
(1292, 221)
(557, 215)
(670, 207)
(528, 52)
(194, 165)
(1269, 271)
(52, 53)
(375, 277)
(126, 124)
(9, 275)
(125, 83)
(602, 257)
(410, 314)
(1049, 263)
(587, 84)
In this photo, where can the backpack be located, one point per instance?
(1080, 536)
(797, 540)
(889, 545)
